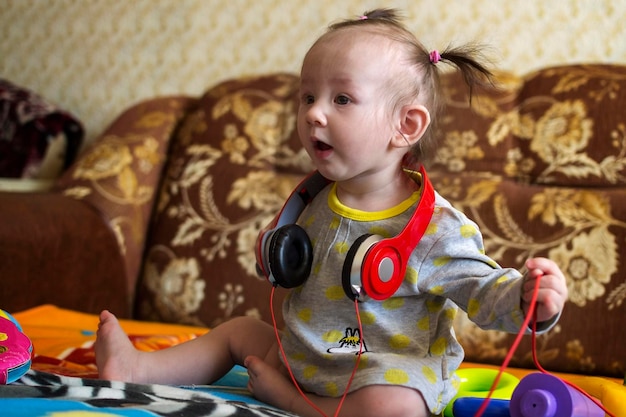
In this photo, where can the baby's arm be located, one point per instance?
(552, 288)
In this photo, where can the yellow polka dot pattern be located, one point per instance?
(368, 318)
(310, 220)
(396, 376)
(411, 276)
(437, 290)
(429, 374)
(395, 342)
(333, 336)
(468, 231)
(473, 307)
(424, 323)
(393, 303)
(335, 293)
(342, 247)
(439, 346)
(431, 229)
(399, 341)
(310, 371)
(304, 315)
(331, 389)
(381, 231)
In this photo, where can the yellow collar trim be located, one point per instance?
(364, 216)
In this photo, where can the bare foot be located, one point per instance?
(269, 385)
(116, 357)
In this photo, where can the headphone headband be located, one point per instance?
(385, 260)
(373, 264)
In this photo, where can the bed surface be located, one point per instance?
(63, 376)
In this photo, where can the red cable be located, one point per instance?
(284, 355)
(358, 358)
(542, 370)
(509, 355)
(293, 378)
(532, 313)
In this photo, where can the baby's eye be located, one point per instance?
(342, 100)
(307, 99)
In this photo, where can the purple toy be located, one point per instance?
(543, 395)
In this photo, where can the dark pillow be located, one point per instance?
(37, 139)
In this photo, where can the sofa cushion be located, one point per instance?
(568, 127)
(118, 174)
(581, 230)
(236, 159)
(550, 127)
(540, 167)
(466, 122)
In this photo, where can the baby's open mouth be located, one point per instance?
(321, 146)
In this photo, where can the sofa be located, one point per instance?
(156, 220)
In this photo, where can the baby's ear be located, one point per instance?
(414, 120)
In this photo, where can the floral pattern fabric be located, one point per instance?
(540, 167)
(538, 162)
(119, 175)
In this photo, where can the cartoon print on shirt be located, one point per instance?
(350, 343)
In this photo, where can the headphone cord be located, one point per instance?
(571, 384)
(532, 314)
(291, 375)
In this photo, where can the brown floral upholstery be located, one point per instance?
(119, 174)
(537, 162)
(234, 162)
(540, 166)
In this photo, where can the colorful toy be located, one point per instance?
(609, 393)
(476, 383)
(469, 406)
(544, 395)
(15, 349)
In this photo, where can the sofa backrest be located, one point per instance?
(233, 163)
(539, 165)
(561, 126)
(514, 162)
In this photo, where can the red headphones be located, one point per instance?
(374, 265)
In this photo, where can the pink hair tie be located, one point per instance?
(363, 17)
(434, 56)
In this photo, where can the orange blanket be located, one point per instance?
(63, 339)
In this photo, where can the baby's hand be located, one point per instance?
(552, 288)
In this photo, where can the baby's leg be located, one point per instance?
(198, 361)
(269, 385)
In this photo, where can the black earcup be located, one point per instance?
(290, 256)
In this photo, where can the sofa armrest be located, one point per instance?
(60, 252)
(118, 176)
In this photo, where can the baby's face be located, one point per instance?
(345, 121)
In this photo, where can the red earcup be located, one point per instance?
(383, 269)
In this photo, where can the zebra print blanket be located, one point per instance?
(43, 394)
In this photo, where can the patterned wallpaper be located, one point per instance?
(96, 57)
